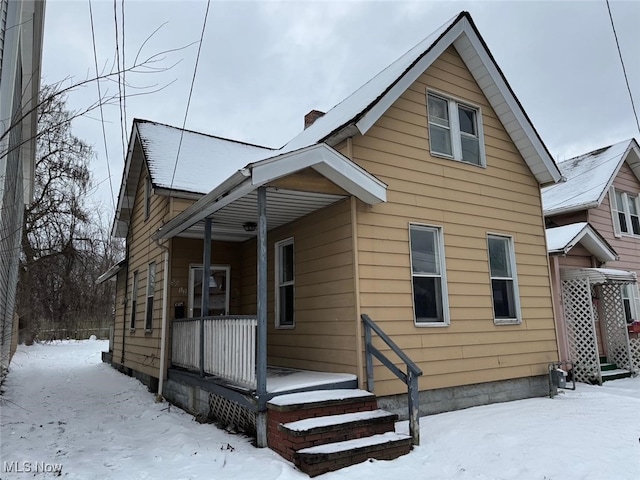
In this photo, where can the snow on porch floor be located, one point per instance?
(280, 380)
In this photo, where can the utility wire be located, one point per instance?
(104, 135)
(186, 112)
(124, 82)
(120, 69)
(624, 70)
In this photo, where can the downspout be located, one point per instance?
(356, 276)
(163, 334)
(126, 302)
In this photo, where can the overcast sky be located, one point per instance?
(263, 65)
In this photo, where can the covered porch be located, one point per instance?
(226, 355)
(596, 323)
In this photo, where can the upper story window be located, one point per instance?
(147, 197)
(455, 130)
(504, 285)
(625, 210)
(284, 292)
(428, 269)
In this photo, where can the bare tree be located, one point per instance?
(64, 246)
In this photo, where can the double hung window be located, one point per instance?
(428, 275)
(626, 212)
(504, 286)
(455, 130)
(284, 284)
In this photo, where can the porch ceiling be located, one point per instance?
(283, 206)
(234, 202)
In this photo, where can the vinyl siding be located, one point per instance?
(467, 202)
(627, 247)
(142, 348)
(324, 335)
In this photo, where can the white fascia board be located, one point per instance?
(550, 212)
(329, 163)
(122, 194)
(235, 187)
(525, 125)
(594, 244)
(372, 116)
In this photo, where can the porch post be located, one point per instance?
(206, 268)
(261, 354)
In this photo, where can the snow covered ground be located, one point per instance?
(63, 406)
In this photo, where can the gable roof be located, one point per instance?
(203, 163)
(356, 114)
(359, 111)
(588, 178)
(560, 240)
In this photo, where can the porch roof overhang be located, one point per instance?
(234, 201)
(598, 276)
(560, 240)
(112, 271)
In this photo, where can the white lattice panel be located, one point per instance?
(615, 325)
(634, 347)
(581, 334)
(230, 414)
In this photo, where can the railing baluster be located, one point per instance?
(223, 346)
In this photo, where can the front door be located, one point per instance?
(218, 290)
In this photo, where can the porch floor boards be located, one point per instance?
(280, 380)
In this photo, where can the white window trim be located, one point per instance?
(617, 230)
(634, 299)
(443, 276)
(514, 275)
(454, 128)
(190, 292)
(147, 197)
(134, 302)
(151, 293)
(277, 284)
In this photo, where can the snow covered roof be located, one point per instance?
(202, 163)
(112, 271)
(199, 153)
(589, 177)
(597, 276)
(285, 205)
(560, 240)
(359, 111)
(204, 160)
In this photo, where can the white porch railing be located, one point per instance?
(229, 347)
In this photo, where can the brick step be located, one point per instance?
(333, 456)
(605, 366)
(615, 374)
(334, 428)
(318, 403)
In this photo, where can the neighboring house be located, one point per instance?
(21, 27)
(415, 201)
(594, 246)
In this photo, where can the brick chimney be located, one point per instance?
(311, 117)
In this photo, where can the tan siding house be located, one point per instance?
(594, 241)
(415, 201)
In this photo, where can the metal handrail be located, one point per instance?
(410, 379)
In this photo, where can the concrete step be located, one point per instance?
(334, 456)
(605, 367)
(615, 374)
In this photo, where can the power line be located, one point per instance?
(124, 82)
(624, 70)
(120, 71)
(186, 112)
(104, 134)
